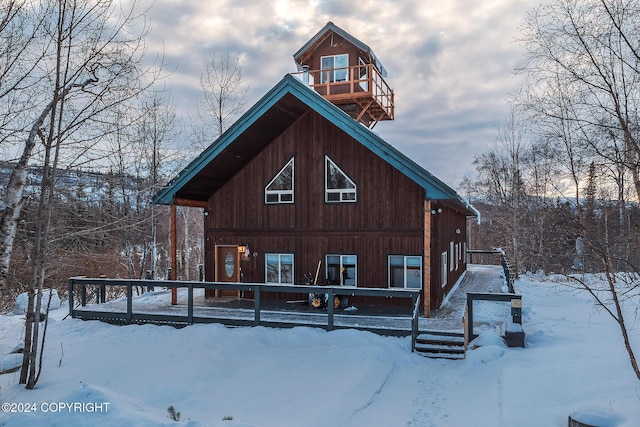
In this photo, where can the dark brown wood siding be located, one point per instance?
(335, 45)
(448, 227)
(386, 219)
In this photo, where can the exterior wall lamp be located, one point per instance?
(436, 211)
(244, 251)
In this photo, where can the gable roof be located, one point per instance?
(323, 33)
(261, 124)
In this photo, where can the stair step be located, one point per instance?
(442, 333)
(448, 356)
(441, 344)
(440, 340)
(440, 348)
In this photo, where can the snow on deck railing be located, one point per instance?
(509, 274)
(86, 288)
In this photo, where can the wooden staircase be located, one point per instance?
(440, 344)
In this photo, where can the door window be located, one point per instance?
(342, 270)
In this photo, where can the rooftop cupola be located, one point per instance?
(347, 73)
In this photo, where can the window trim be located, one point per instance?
(280, 193)
(405, 271)
(443, 269)
(333, 70)
(279, 255)
(451, 246)
(343, 193)
(341, 266)
(464, 251)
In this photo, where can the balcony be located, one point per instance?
(359, 90)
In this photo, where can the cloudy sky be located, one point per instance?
(449, 62)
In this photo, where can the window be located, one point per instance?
(338, 187)
(280, 188)
(362, 75)
(452, 256)
(342, 270)
(443, 269)
(457, 255)
(336, 66)
(405, 271)
(279, 268)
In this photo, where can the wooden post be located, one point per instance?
(330, 299)
(465, 320)
(426, 260)
(469, 314)
(129, 302)
(174, 256)
(71, 298)
(189, 304)
(256, 305)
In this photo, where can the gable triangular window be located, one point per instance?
(280, 188)
(338, 187)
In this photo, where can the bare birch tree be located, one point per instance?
(224, 92)
(91, 66)
(590, 46)
(583, 89)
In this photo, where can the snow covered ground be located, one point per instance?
(102, 375)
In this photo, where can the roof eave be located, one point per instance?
(166, 195)
(330, 26)
(434, 188)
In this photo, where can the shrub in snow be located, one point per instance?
(173, 414)
(22, 300)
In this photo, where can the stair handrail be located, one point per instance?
(508, 271)
(415, 323)
(465, 322)
(509, 274)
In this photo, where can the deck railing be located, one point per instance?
(415, 324)
(92, 294)
(357, 81)
(509, 274)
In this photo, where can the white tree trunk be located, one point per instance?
(13, 196)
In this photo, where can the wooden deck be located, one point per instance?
(155, 307)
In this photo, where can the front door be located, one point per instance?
(227, 268)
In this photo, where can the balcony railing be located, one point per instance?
(362, 84)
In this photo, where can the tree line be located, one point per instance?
(80, 92)
(561, 186)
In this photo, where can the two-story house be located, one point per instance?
(298, 188)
